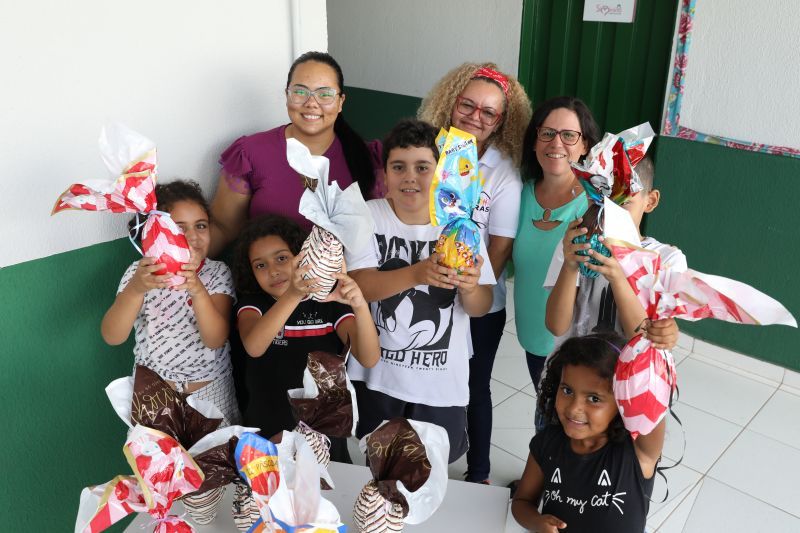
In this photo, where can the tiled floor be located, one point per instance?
(741, 464)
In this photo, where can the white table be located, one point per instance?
(466, 506)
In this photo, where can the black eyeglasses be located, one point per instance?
(487, 115)
(299, 95)
(568, 137)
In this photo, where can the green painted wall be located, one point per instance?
(374, 113)
(60, 433)
(730, 211)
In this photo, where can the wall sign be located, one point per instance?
(611, 11)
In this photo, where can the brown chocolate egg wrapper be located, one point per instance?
(325, 254)
(372, 513)
(591, 221)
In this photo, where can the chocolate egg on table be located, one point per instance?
(319, 443)
(372, 513)
(324, 252)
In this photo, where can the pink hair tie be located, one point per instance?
(490, 73)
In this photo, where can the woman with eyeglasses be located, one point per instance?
(256, 177)
(561, 130)
(493, 106)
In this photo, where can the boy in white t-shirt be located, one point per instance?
(607, 302)
(421, 308)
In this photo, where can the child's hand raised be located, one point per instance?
(300, 288)
(571, 259)
(347, 292)
(663, 333)
(609, 267)
(467, 281)
(192, 283)
(144, 278)
(430, 272)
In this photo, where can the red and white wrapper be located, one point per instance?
(609, 166)
(163, 472)
(131, 157)
(645, 377)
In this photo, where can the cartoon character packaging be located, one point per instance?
(455, 191)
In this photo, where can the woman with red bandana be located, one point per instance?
(492, 106)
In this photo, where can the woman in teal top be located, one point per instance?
(561, 130)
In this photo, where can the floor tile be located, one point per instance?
(529, 390)
(514, 413)
(791, 390)
(722, 508)
(767, 469)
(505, 467)
(674, 523)
(685, 341)
(778, 419)
(749, 366)
(791, 382)
(706, 437)
(509, 346)
(511, 371)
(792, 378)
(509, 301)
(721, 393)
(679, 354)
(680, 481)
(513, 441)
(500, 392)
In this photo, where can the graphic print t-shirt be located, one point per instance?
(167, 339)
(311, 327)
(422, 331)
(603, 491)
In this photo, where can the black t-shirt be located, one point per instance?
(603, 491)
(311, 327)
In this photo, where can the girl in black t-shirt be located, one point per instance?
(585, 469)
(279, 326)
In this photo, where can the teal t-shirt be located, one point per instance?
(533, 250)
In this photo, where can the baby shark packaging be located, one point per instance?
(455, 191)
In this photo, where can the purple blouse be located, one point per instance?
(256, 165)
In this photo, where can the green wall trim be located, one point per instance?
(373, 113)
(727, 210)
(60, 432)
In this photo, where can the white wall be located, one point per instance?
(743, 71)
(404, 47)
(192, 75)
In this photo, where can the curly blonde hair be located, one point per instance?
(437, 108)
